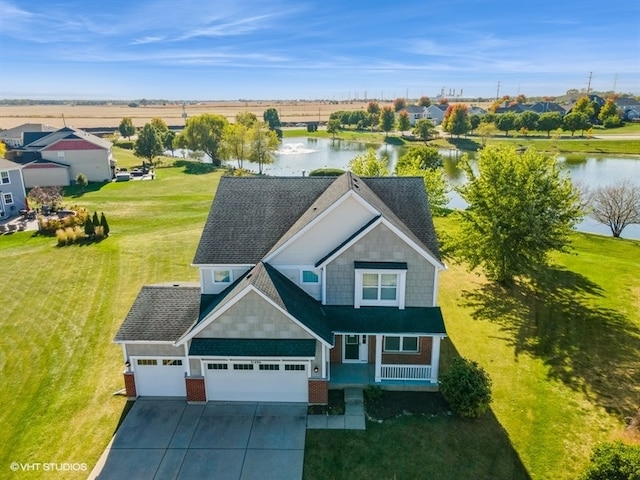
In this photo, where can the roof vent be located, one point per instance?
(249, 276)
(176, 284)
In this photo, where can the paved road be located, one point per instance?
(169, 439)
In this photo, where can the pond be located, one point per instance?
(299, 156)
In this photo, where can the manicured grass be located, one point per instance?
(563, 356)
(62, 307)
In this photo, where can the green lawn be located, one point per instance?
(563, 357)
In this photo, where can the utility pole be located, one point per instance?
(615, 83)
(589, 84)
(498, 91)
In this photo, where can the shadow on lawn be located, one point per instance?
(589, 348)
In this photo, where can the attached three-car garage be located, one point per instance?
(247, 380)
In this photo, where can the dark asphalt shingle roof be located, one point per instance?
(161, 313)
(252, 216)
(252, 347)
(384, 320)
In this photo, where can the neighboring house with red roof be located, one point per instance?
(12, 192)
(306, 284)
(56, 158)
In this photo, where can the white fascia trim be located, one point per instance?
(292, 318)
(223, 265)
(312, 223)
(391, 334)
(229, 358)
(208, 320)
(145, 342)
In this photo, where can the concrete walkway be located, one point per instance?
(353, 418)
(171, 440)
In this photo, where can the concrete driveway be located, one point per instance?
(169, 439)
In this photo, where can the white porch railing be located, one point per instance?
(405, 372)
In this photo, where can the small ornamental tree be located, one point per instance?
(81, 179)
(89, 229)
(104, 224)
(466, 387)
(95, 219)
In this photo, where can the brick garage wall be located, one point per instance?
(195, 389)
(318, 392)
(335, 354)
(423, 357)
(130, 384)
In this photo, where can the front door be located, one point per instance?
(355, 349)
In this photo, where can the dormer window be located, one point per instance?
(380, 284)
(221, 276)
(310, 277)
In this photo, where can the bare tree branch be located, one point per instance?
(616, 205)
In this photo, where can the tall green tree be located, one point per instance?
(506, 122)
(248, 119)
(333, 126)
(263, 143)
(399, 104)
(549, 121)
(575, 121)
(236, 143)
(426, 162)
(369, 165)
(160, 125)
(149, 143)
(609, 110)
(424, 101)
(403, 122)
(126, 127)
(270, 116)
(204, 133)
(520, 208)
(387, 119)
(456, 120)
(423, 129)
(528, 121)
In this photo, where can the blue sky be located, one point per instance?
(281, 49)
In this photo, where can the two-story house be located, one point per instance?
(12, 193)
(305, 283)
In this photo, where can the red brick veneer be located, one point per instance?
(318, 392)
(130, 384)
(195, 389)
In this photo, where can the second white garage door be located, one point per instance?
(257, 382)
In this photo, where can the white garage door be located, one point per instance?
(160, 377)
(257, 382)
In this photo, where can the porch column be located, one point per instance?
(324, 360)
(435, 358)
(378, 366)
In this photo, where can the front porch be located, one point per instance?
(344, 375)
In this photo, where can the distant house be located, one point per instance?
(475, 110)
(546, 107)
(629, 108)
(323, 282)
(415, 113)
(12, 192)
(14, 137)
(56, 158)
(435, 113)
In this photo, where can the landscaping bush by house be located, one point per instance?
(614, 461)
(467, 388)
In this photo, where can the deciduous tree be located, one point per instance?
(236, 143)
(456, 120)
(387, 118)
(423, 129)
(609, 114)
(506, 122)
(399, 104)
(575, 121)
(204, 132)
(264, 142)
(549, 121)
(333, 126)
(369, 165)
(126, 127)
(424, 101)
(270, 116)
(520, 208)
(403, 122)
(247, 119)
(426, 162)
(616, 205)
(149, 143)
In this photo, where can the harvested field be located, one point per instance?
(89, 116)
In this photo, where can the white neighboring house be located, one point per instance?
(12, 193)
(435, 113)
(56, 158)
(415, 113)
(15, 137)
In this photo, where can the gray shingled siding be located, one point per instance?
(380, 245)
(154, 349)
(293, 274)
(253, 317)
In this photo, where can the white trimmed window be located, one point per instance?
(147, 361)
(401, 344)
(4, 178)
(380, 287)
(8, 198)
(309, 277)
(171, 363)
(222, 276)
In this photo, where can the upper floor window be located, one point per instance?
(310, 276)
(380, 284)
(8, 198)
(222, 276)
(4, 178)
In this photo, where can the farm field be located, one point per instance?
(563, 358)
